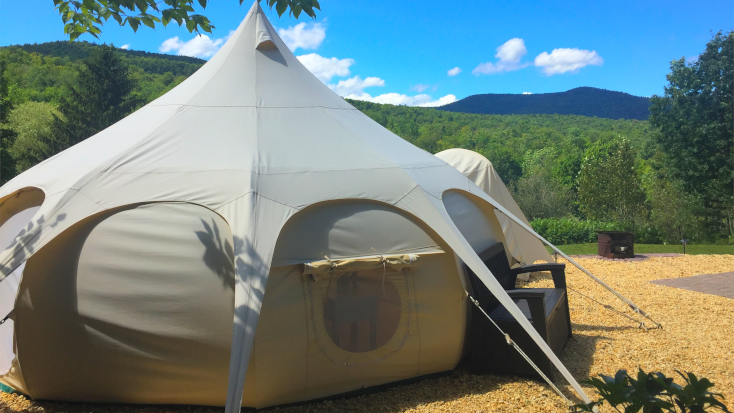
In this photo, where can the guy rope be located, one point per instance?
(632, 305)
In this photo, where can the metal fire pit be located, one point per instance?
(616, 244)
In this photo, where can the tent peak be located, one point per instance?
(264, 40)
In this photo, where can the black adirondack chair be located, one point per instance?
(546, 308)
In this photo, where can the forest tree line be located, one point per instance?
(666, 178)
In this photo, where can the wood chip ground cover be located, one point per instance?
(698, 336)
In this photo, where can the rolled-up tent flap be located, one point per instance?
(394, 262)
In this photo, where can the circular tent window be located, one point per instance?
(362, 310)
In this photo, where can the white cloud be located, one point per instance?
(440, 102)
(125, 46)
(527, 93)
(512, 51)
(325, 68)
(400, 99)
(455, 71)
(509, 55)
(420, 87)
(567, 60)
(355, 86)
(303, 36)
(200, 46)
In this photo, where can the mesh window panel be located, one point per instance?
(362, 311)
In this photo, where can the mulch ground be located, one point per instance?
(697, 337)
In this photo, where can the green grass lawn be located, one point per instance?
(591, 249)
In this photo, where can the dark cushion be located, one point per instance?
(553, 298)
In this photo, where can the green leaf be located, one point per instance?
(203, 3)
(134, 23)
(281, 7)
(296, 10)
(166, 17)
(142, 5)
(190, 25)
(176, 16)
(148, 22)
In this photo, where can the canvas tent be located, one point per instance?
(523, 246)
(249, 238)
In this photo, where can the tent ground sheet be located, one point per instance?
(696, 337)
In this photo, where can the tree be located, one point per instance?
(101, 97)
(695, 121)
(609, 187)
(538, 193)
(506, 164)
(672, 209)
(32, 123)
(7, 135)
(88, 16)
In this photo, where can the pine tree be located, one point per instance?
(101, 97)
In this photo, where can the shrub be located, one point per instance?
(560, 231)
(654, 393)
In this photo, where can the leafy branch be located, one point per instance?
(88, 16)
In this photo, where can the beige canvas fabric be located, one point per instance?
(132, 305)
(525, 247)
(135, 305)
(254, 137)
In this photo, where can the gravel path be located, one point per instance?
(697, 337)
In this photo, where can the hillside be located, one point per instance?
(150, 62)
(583, 101)
(43, 73)
(505, 139)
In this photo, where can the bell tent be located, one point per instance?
(247, 239)
(523, 246)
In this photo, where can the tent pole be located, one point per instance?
(632, 305)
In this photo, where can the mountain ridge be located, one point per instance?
(582, 101)
(150, 62)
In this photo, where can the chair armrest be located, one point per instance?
(536, 305)
(523, 293)
(558, 272)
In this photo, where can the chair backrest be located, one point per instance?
(495, 259)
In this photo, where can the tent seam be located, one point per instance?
(233, 199)
(415, 185)
(255, 106)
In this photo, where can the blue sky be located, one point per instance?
(401, 51)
